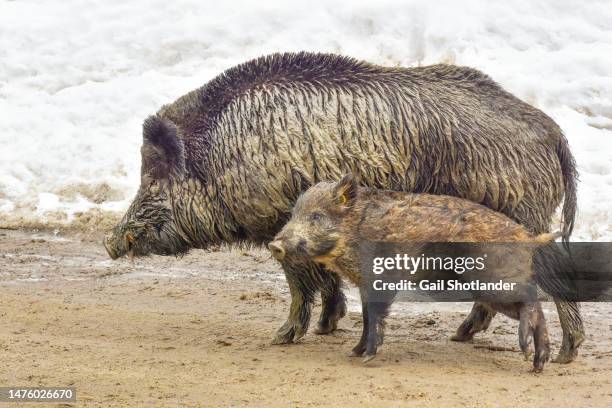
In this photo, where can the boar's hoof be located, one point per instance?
(566, 356)
(569, 349)
(288, 333)
(368, 357)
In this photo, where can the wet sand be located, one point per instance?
(196, 331)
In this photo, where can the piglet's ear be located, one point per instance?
(163, 152)
(345, 190)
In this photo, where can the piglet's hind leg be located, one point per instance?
(541, 341)
(533, 326)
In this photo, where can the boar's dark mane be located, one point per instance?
(263, 131)
(300, 69)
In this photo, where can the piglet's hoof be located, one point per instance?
(325, 328)
(368, 358)
(462, 337)
(358, 350)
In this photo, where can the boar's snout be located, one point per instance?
(112, 247)
(111, 252)
(277, 249)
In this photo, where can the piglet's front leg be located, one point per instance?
(360, 348)
(377, 312)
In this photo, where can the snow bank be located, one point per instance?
(78, 77)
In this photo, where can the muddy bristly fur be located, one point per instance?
(234, 155)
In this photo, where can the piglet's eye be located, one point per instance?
(316, 216)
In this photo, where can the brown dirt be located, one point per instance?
(196, 332)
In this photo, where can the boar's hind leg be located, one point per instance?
(533, 324)
(546, 265)
(478, 320)
(573, 331)
(333, 303)
(302, 279)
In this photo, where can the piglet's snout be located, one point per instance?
(277, 250)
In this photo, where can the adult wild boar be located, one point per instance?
(226, 162)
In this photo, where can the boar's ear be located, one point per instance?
(345, 190)
(163, 152)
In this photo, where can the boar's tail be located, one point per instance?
(554, 272)
(570, 179)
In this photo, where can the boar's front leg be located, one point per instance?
(305, 279)
(302, 294)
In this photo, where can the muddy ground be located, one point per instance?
(196, 332)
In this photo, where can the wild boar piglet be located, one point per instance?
(331, 221)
